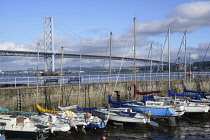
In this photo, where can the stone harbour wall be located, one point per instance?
(24, 98)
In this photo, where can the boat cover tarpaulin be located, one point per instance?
(22, 112)
(186, 90)
(67, 107)
(115, 102)
(4, 110)
(143, 93)
(83, 109)
(171, 93)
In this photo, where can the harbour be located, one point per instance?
(90, 85)
(24, 98)
(63, 77)
(189, 128)
(196, 127)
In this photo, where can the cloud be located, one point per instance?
(194, 56)
(189, 16)
(195, 10)
(12, 46)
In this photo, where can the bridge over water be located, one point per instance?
(70, 55)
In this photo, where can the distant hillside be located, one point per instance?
(203, 65)
(83, 68)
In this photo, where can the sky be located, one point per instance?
(83, 27)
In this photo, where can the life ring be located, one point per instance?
(129, 88)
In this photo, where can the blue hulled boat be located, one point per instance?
(154, 109)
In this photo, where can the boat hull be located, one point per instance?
(115, 115)
(154, 112)
(51, 119)
(27, 135)
(96, 125)
(196, 109)
(122, 119)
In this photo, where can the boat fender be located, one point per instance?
(181, 108)
(50, 121)
(96, 120)
(103, 138)
(87, 115)
(107, 117)
(149, 113)
(172, 103)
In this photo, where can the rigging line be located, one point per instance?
(20, 27)
(197, 77)
(201, 64)
(145, 68)
(123, 58)
(100, 80)
(161, 56)
(180, 47)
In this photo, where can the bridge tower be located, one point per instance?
(49, 43)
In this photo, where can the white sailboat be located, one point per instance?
(123, 115)
(56, 124)
(18, 126)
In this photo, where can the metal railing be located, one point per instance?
(102, 78)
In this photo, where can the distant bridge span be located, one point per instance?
(69, 55)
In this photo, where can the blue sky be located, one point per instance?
(81, 25)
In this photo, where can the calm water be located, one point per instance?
(196, 127)
(31, 79)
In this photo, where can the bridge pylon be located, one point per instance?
(49, 43)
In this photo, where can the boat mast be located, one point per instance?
(37, 79)
(134, 49)
(110, 59)
(80, 58)
(161, 57)
(169, 60)
(150, 80)
(61, 74)
(185, 62)
(190, 66)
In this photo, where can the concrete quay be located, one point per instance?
(24, 98)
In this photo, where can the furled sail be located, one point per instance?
(84, 109)
(67, 107)
(186, 90)
(171, 93)
(115, 102)
(45, 110)
(143, 93)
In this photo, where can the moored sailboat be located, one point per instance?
(20, 126)
(155, 109)
(123, 115)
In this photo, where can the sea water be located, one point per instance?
(190, 127)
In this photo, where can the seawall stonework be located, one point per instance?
(24, 98)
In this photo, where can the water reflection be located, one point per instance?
(189, 128)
